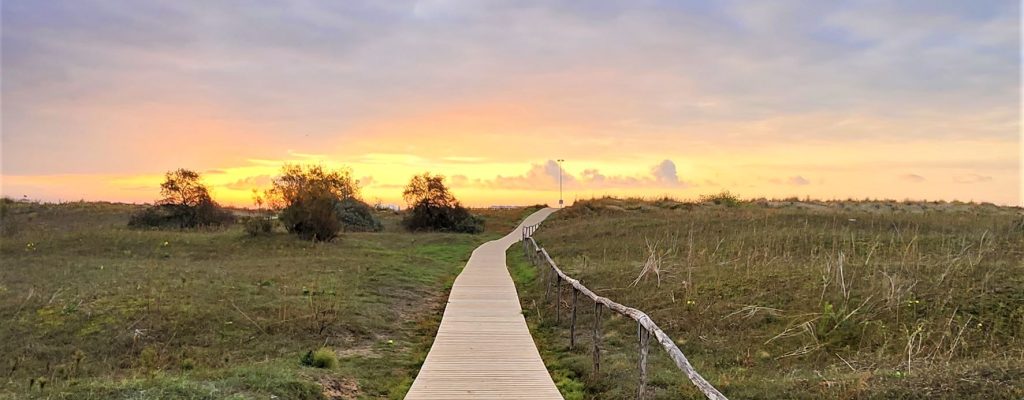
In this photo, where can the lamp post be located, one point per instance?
(560, 201)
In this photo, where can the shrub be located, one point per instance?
(154, 217)
(256, 226)
(725, 198)
(433, 207)
(357, 216)
(424, 217)
(316, 203)
(312, 218)
(149, 359)
(321, 358)
(186, 203)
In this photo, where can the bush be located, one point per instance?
(256, 226)
(425, 217)
(178, 216)
(316, 203)
(357, 216)
(186, 203)
(209, 213)
(312, 218)
(434, 208)
(151, 217)
(322, 358)
(725, 198)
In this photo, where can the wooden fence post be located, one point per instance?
(644, 337)
(558, 299)
(526, 244)
(572, 320)
(597, 338)
(548, 272)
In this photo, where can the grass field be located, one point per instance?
(791, 299)
(92, 310)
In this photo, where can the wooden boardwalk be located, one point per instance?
(483, 348)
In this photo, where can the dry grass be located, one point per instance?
(803, 299)
(98, 311)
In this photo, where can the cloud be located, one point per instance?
(317, 71)
(98, 84)
(538, 176)
(796, 180)
(541, 176)
(250, 182)
(366, 181)
(915, 178)
(972, 178)
(665, 172)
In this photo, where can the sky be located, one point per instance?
(854, 99)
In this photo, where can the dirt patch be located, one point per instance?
(363, 352)
(339, 389)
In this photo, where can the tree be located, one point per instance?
(432, 206)
(183, 188)
(185, 202)
(296, 182)
(315, 203)
(430, 190)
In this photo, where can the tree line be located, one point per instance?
(310, 201)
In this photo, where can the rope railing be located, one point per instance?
(645, 325)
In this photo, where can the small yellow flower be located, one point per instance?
(165, 243)
(691, 302)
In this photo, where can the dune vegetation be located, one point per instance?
(791, 299)
(92, 309)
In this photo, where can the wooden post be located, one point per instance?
(558, 299)
(597, 338)
(547, 285)
(572, 320)
(526, 244)
(644, 337)
(523, 238)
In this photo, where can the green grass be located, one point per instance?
(98, 311)
(929, 302)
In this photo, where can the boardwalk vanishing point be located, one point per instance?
(483, 348)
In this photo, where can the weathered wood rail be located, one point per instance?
(645, 325)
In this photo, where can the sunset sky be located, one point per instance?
(918, 100)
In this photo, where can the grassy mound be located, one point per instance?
(90, 309)
(794, 299)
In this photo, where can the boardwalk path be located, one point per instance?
(483, 349)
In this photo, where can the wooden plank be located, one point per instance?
(483, 348)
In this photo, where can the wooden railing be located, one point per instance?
(645, 325)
